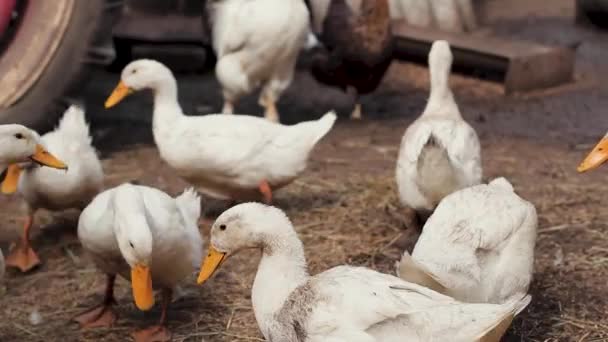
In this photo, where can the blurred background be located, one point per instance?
(83, 42)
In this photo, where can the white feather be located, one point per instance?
(257, 44)
(343, 303)
(447, 15)
(479, 243)
(172, 223)
(442, 132)
(73, 124)
(17, 144)
(224, 156)
(415, 12)
(52, 189)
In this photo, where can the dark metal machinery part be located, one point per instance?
(157, 24)
(594, 12)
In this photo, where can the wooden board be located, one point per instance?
(520, 66)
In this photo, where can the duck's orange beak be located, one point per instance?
(141, 283)
(43, 157)
(211, 263)
(11, 180)
(596, 157)
(40, 156)
(120, 92)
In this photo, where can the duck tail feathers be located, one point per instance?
(189, 203)
(74, 124)
(495, 332)
(324, 125)
(503, 183)
(411, 271)
(519, 303)
(310, 132)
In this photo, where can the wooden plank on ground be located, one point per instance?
(520, 66)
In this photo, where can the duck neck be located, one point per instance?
(131, 226)
(441, 100)
(128, 205)
(166, 107)
(441, 104)
(281, 270)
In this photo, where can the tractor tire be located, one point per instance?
(50, 56)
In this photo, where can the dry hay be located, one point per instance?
(346, 211)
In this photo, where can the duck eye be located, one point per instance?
(222, 227)
(19, 136)
(131, 244)
(133, 71)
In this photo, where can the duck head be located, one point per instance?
(19, 144)
(135, 242)
(138, 75)
(245, 226)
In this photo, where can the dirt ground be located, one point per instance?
(345, 206)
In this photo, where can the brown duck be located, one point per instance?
(357, 45)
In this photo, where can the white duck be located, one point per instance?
(440, 152)
(19, 144)
(344, 303)
(447, 15)
(415, 12)
(225, 156)
(257, 44)
(146, 236)
(478, 246)
(45, 188)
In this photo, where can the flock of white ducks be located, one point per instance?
(466, 279)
